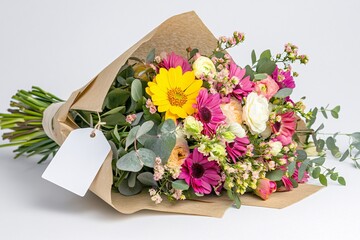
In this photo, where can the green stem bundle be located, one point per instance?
(24, 122)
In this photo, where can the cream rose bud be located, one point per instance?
(203, 66)
(276, 147)
(256, 112)
(237, 129)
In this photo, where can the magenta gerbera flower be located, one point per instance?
(283, 78)
(237, 148)
(208, 111)
(172, 61)
(245, 85)
(199, 173)
(285, 129)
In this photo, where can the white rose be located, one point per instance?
(256, 112)
(203, 66)
(276, 147)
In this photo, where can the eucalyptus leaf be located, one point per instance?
(275, 175)
(132, 136)
(291, 168)
(115, 119)
(318, 161)
(116, 98)
(136, 90)
(283, 93)
(114, 150)
(260, 76)
(323, 179)
(168, 126)
(316, 172)
(253, 57)
(124, 188)
(146, 156)
(265, 65)
(137, 119)
(320, 145)
(303, 168)
(265, 54)
(345, 155)
(321, 127)
(129, 162)
(144, 128)
(114, 110)
(147, 179)
(162, 145)
(180, 185)
(132, 179)
(323, 111)
(237, 201)
(334, 114)
(356, 136)
(302, 155)
(334, 176)
(249, 72)
(342, 181)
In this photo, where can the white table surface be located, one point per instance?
(61, 45)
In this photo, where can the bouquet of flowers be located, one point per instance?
(186, 122)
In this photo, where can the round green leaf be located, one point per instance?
(124, 188)
(180, 185)
(147, 178)
(136, 90)
(129, 162)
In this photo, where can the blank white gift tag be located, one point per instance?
(78, 160)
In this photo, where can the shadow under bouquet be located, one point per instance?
(190, 130)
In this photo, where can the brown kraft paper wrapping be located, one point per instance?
(174, 35)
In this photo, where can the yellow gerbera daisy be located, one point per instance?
(174, 92)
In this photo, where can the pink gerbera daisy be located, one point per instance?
(172, 61)
(285, 129)
(245, 85)
(283, 78)
(208, 111)
(199, 173)
(237, 148)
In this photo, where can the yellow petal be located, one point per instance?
(194, 87)
(179, 111)
(155, 89)
(169, 115)
(188, 107)
(187, 79)
(162, 79)
(163, 108)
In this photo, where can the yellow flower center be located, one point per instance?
(177, 97)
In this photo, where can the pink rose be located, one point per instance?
(264, 188)
(267, 87)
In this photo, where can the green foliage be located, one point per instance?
(136, 90)
(253, 57)
(265, 65)
(117, 97)
(283, 93)
(275, 175)
(162, 143)
(147, 179)
(180, 185)
(124, 188)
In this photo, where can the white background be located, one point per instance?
(61, 45)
